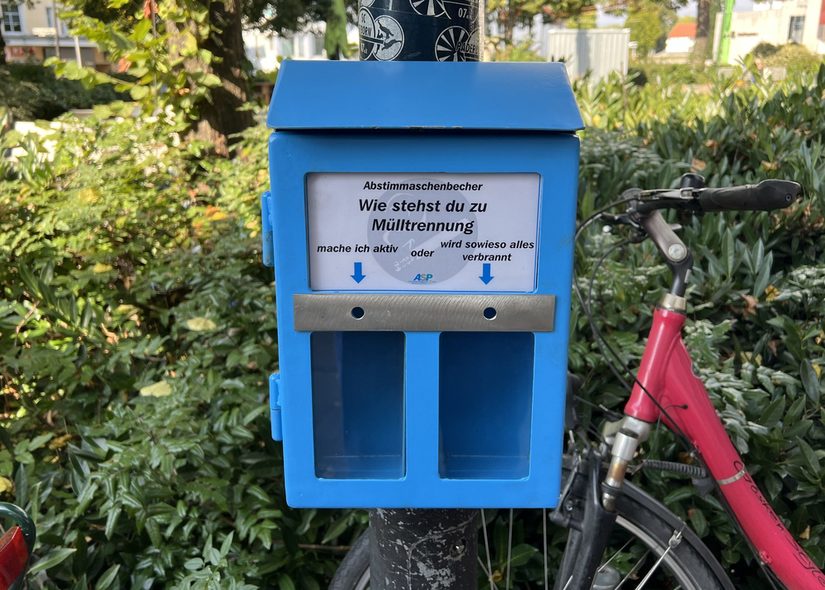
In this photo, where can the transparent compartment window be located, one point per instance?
(485, 404)
(358, 404)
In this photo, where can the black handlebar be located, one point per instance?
(644, 213)
(765, 196)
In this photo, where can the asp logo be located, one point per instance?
(422, 278)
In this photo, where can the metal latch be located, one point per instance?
(275, 406)
(267, 249)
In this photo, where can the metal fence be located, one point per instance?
(596, 52)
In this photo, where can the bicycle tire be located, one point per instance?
(690, 563)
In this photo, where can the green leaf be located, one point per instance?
(678, 495)
(799, 428)
(111, 521)
(773, 413)
(210, 81)
(285, 582)
(762, 278)
(698, 521)
(200, 324)
(810, 456)
(306, 520)
(52, 558)
(39, 441)
(521, 554)
(141, 29)
(227, 544)
(193, 564)
(108, 577)
(188, 44)
(336, 529)
(159, 389)
(809, 380)
(139, 92)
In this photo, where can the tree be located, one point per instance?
(189, 54)
(703, 26)
(286, 16)
(508, 14)
(335, 38)
(182, 58)
(220, 54)
(649, 23)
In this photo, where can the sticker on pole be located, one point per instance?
(422, 232)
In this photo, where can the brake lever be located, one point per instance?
(627, 219)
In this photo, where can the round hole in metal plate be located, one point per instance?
(357, 312)
(490, 313)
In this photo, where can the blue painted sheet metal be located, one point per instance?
(430, 95)
(421, 481)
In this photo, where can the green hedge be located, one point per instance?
(137, 330)
(31, 92)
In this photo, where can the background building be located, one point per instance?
(681, 39)
(777, 22)
(32, 34)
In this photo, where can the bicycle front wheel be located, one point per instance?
(650, 548)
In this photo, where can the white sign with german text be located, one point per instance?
(422, 232)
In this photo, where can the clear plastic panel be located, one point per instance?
(358, 404)
(485, 404)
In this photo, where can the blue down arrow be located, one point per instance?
(357, 275)
(485, 273)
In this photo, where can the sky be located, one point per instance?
(688, 10)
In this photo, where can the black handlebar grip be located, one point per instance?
(765, 196)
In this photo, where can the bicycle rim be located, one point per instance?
(639, 556)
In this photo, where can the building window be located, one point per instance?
(795, 29)
(11, 18)
(50, 21)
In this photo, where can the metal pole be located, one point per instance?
(724, 38)
(77, 54)
(56, 30)
(422, 549)
(421, 30)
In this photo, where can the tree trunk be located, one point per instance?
(2, 48)
(700, 48)
(219, 117)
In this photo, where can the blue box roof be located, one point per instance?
(424, 95)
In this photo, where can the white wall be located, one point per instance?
(769, 23)
(264, 49)
(679, 45)
(595, 51)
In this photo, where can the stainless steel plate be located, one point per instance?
(424, 313)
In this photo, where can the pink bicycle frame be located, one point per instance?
(667, 374)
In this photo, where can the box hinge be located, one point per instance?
(267, 248)
(275, 406)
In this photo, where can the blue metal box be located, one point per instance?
(421, 222)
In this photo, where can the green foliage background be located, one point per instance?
(137, 330)
(32, 92)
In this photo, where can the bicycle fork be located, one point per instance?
(589, 512)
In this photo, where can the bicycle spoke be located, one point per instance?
(544, 538)
(615, 555)
(509, 551)
(483, 567)
(673, 542)
(633, 570)
(489, 570)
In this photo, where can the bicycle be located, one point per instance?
(607, 516)
(16, 546)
